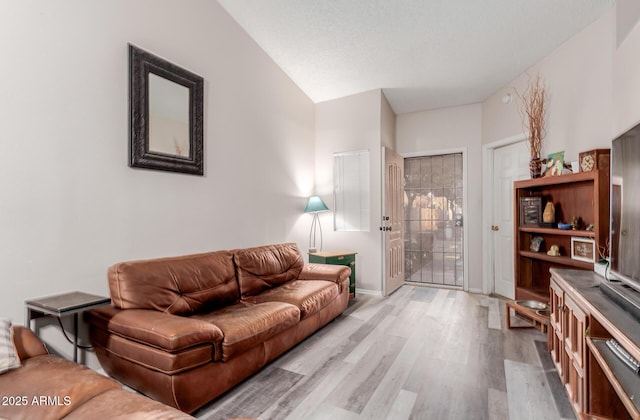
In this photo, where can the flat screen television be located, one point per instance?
(624, 241)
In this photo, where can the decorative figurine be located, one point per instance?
(591, 227)
(554, 251)
(574, 223)
(549, 214)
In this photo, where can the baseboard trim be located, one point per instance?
(368, 292)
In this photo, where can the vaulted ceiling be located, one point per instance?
(424, 54)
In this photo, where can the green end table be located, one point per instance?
(338, 257)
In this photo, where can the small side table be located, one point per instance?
(71, 303)
(338, 257)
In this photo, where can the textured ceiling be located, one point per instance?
(424, 54)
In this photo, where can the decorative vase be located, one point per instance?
(535, 167)
(549, 214)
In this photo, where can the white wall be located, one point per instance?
(628, 13)
(349, 124)
(626, 85)
(387, 124)
(444, 130)
(579, 78)
(69, 204)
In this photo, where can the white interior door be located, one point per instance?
(510, 163)
(392, 221)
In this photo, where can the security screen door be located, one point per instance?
(434, 221)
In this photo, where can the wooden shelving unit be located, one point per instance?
(584, 195)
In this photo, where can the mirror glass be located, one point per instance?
(351, 191)
(168, 117)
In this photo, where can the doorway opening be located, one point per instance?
(434, 220)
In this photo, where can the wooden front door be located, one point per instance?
(392, 221)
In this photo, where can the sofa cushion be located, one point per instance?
(27, 343)
(123, 405)
(329, 272)
(310, 296)
(156, 329)
(151, 357)
(50, 388)
(177, 285)
(265, 267)
(246, 325)
(8, 358)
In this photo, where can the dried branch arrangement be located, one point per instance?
(532, 113)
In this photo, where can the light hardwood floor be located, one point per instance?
(422, 353)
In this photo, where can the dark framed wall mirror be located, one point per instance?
(166, 115)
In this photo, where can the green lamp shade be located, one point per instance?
(315, 205)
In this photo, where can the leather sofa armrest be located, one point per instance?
(27, 343)
(157, 329)
(334, 273)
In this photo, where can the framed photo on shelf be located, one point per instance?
(554, 165)
(530, 211)
(583, 249)
(536, 244)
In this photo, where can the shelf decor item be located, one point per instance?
(530, 211)
(583, 249)
(536, 167)
(554, 251)
(532, 113)
(554, 165)
(536, 243)
(549, 214)
(594, 159)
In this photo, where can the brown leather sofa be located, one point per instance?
(48, 387)
(183, 330)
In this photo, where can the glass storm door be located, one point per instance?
(434, 222)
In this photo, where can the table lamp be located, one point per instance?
(315, 205)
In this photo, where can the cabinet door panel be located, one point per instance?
(555, 323)
(577, 327)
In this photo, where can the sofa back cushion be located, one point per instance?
(266, 267)
(176, 285)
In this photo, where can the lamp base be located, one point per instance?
(315, 225)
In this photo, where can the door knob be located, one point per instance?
(495, 228)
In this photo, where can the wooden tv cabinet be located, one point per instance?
(598, 384)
